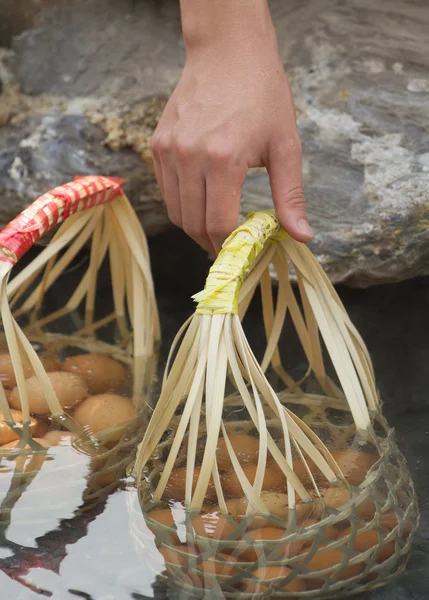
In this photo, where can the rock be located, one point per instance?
(359, 71)
(43, 151)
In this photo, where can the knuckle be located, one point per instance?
(160, 144)
(294, 197)
(184, 149)
(291, 146)
(220, 153)
(294, 146)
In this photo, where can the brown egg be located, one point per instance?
(301, 471)
(274, 480)
(50, 364)
(69, 388)
(212, 525)
(103, 411)
(102, 373)
(60, 438)
(354, 465)
(220, 565)
(267, 577)
(368, 539)
(163, 516)
(246, 448)
(105, 473)
(337, 497)
(389, 520)
(175, 488)
(7, 373)
(267, 534)
(324, 559)
(8, 435)
(275, 502)
(277, 505)
(180, 561)
(179, 555)
(330, 532)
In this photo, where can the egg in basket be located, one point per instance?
(254, 491)
(74, 378)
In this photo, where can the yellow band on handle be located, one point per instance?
(235, 261)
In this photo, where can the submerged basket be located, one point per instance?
(74, 375)
(253, 493)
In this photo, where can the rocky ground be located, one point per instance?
(83, 84)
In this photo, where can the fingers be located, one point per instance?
(285, 171)
(192, 187)
(224, 183)
(166, 175)
(201, 188)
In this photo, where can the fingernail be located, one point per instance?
(304, 228)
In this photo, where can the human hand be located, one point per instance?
(231, 110)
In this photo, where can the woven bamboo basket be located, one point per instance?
(75, 379)
(252, 493)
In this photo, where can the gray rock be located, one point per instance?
(43, 151)
(359, 71)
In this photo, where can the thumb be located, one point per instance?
(285, 171)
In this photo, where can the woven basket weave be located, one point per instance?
(91, 212)
(341, 531)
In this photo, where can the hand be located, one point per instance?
(232, 109)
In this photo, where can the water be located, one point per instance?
(96, 554)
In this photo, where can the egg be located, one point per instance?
(163, 516)
(246, 448)
(275, 552)
(50, 364)
(389, 520)
(212, 525)
(274, 480)
(337, 497)
(60, 438)
(330, 532)
(179, 555)
(103, 411)
(369, 539)
(103, 473)
(7, 373)
(175, 488)
(7, 434)
(267, 577)
(276, 504)
(354, 465)
(69, 388)
(101, 373)
(181, 561)
(220, 565)
(301, 471)
(325, 559)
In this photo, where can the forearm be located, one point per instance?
(224, 23)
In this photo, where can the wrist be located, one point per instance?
(224, 24)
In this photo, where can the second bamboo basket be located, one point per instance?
(251, 492)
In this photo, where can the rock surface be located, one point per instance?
(359, 71)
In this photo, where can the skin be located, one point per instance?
(232, 110)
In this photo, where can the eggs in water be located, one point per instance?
(101, 373)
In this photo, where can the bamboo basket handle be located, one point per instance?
(235, 261)
(54, 208)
